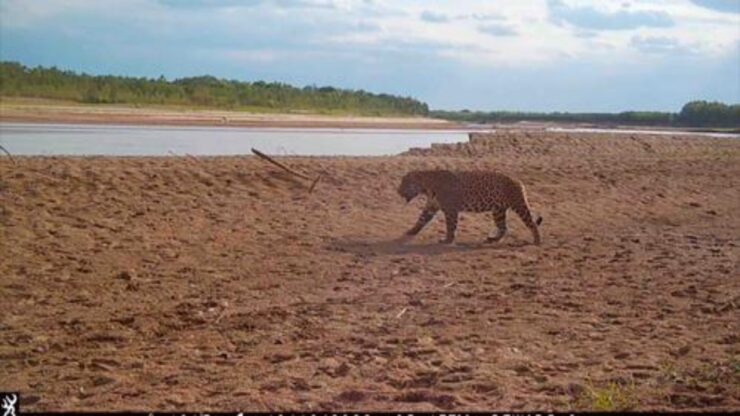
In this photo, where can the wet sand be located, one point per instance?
(221, 283)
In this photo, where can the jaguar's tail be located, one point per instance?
(522, 209)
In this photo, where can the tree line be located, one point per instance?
(17, 80)
(629, 117)
(709, 114)
(693, 114)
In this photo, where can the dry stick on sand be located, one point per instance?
(12, 159)
(187, 155)
(191, 157)
(313, 185)
(287, 169)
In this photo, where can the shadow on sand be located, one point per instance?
(399, 246)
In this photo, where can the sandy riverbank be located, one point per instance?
(219, 283)
(41, 111)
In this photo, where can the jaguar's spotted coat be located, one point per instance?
(474, 191)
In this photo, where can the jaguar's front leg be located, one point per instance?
(426, 215)
(451, 221)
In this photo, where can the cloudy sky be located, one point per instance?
(538, 55)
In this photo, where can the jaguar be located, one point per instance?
(453, 192)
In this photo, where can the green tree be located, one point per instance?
(203, 91)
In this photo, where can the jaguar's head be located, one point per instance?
(410, 187)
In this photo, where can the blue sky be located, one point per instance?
(529, 55)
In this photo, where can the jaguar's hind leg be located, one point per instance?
(451, 222)
(499, 217)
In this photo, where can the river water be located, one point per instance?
(129, 140)
(126, 140)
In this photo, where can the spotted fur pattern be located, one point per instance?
(473, 191)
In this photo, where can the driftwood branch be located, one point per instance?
(7, 153)
(287, 169)
(280, 165)
(313, 185)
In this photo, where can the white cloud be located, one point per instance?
(594, 18)
(520, 33)
(658, 44)
(497, 29)
(432, 17)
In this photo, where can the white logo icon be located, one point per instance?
(9, 404)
